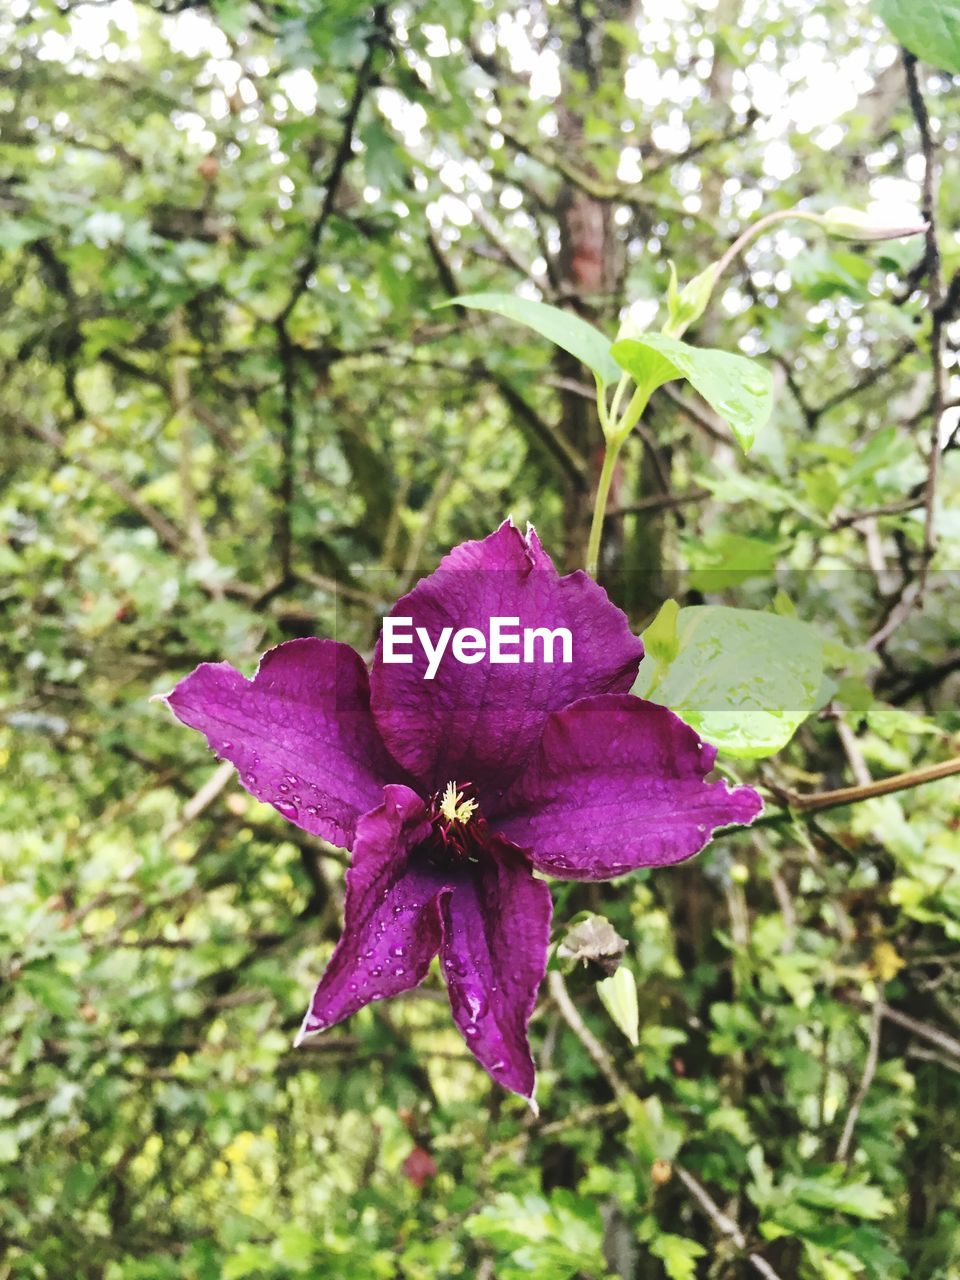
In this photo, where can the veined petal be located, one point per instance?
(496, 928)
(617, 783)
(481, 723)
(391, 926)
(300, 733)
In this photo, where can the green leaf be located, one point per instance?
(738, 389)
(619, 996)
(859, 1199)
(930, 29)
(744, 679)
(564, 330)
(678, 1255)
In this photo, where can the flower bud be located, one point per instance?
(688, 304)
(856, 224)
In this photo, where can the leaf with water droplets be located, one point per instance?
(743, 678)
(738, 389)
(930, 29)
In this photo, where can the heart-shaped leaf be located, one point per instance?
(930, 29)
(745, 679)
(738, 389)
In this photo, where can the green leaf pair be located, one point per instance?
(737, 389)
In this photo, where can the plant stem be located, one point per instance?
(610, 456)
(769, 220)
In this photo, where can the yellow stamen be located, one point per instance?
(454, 807)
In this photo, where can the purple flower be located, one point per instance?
(451, 792)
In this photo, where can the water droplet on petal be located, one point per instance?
(286, 808)
(476, 1004)
(399, 971)
(250, 779)
(398, 951)
(470, 1031)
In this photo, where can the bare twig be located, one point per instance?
(949, 1044)
(934, 269)
(598, 1054)
(723, 1222)
(890, 509)
(165, 529)
(202, 800)
(625, 1097)
(866, 1080)
(819, 801)
(183, 412)
(822, 800)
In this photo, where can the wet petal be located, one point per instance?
(496, 927)
(618, 783)
(300, 732)
(480, 723)
(391, 927)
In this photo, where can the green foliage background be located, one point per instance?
(224, 231)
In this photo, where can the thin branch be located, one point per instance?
(933, 1034)
(182, 399)
(165, 529)
(627, 1099)
(661, 502)
(723, 1222)
(341, 159)
(819, 801)
(285, 344)
(890, 509)
(936, 289)
(866, 1080)
(598, 1054)
(202, 800)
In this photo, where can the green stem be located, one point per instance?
(617, 397)
(610, 456)
(751, 233)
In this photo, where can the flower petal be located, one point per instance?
(300, 732)
(391, 927)
(496, 928)
(618, 783)
(480, 723)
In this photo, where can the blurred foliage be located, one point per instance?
(232, 414)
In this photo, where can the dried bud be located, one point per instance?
(855, 224)
(595, 942)
(661, 1171)
(208, 168)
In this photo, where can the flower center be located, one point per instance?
(459, 829)
(455, 807)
